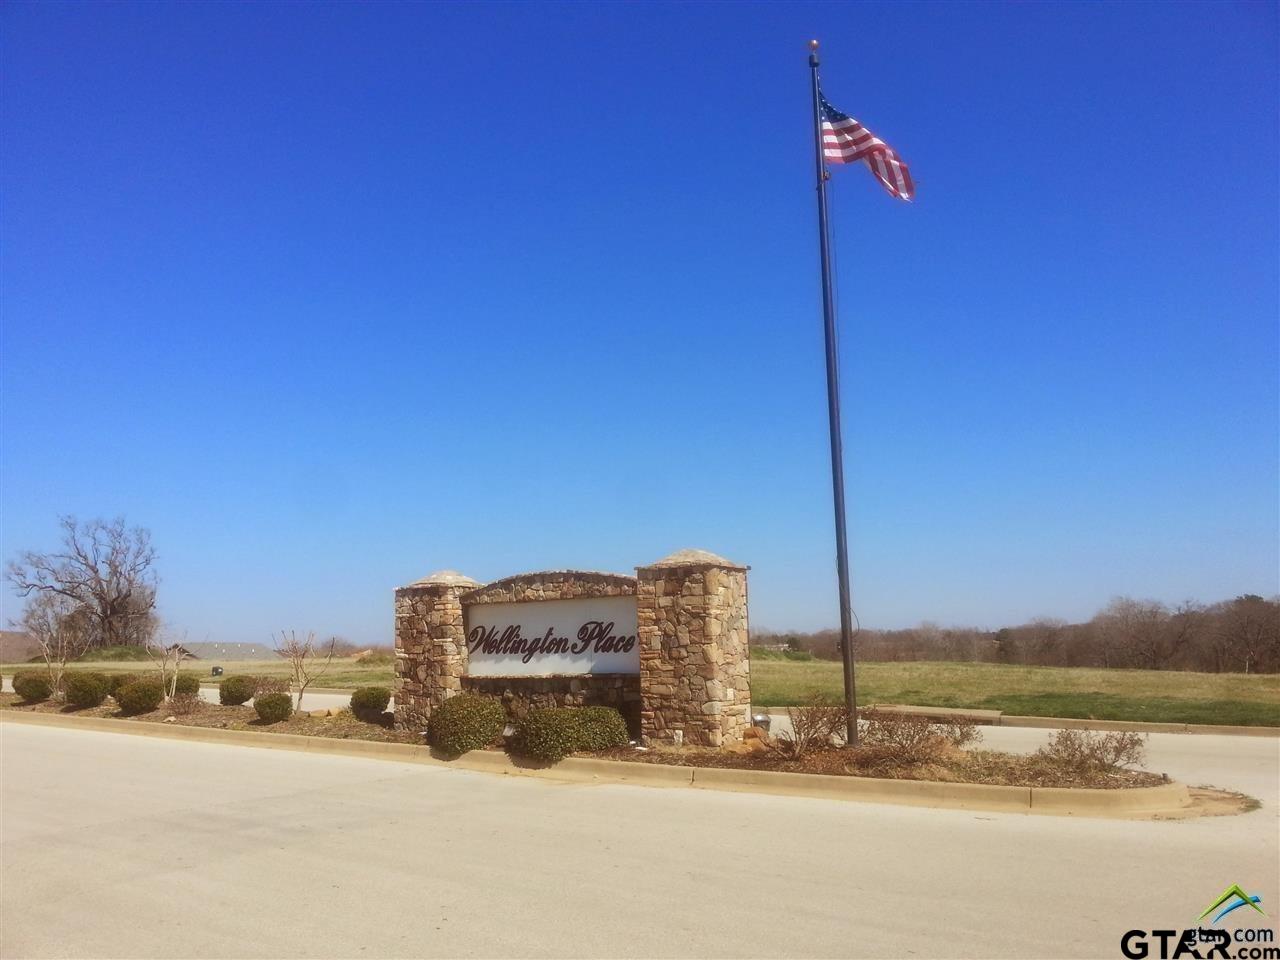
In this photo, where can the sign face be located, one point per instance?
(547, 638)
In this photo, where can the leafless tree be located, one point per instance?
(308, 662)
(60, 627)
(1236, 635)
(104, 567)
(1250, 630)
(1135, 632)
(168, 655)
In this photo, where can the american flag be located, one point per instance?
(845, 140)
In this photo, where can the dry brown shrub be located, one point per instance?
(909, 738)
(185, 704)
(263, 685)
(815, 724)
(904, 738)
(1087, 751)
(960, 732)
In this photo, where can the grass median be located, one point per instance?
(1160, 696)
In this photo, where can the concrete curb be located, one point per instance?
(994, 718)
(1166, 800)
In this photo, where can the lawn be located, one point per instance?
(1152, 695)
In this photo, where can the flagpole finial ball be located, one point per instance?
(813, 44)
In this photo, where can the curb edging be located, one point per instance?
(1167, 800)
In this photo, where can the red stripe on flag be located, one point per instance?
(848, 141)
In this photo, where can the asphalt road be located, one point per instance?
(116, 845)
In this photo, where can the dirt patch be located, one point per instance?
(1211, 802)
(341, 726)
(955, 766)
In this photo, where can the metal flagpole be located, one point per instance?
(833, 406)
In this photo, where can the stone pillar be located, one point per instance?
(431, 649)
(695, 668)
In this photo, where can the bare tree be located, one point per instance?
(60, 627)
(1250, 630)
(104, 567)
(308, 662)
(1134, 633)
(168, 656)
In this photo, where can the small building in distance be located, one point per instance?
(215, 650)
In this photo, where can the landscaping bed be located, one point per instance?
(342, 725)
(960, 766)
(917, 750)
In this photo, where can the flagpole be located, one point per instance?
(833, 406)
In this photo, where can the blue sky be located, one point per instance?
(332, 296)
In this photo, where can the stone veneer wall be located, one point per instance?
(431, 649)
(694, 681)
(552, 585)
(695, 668)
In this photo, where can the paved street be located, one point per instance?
(115, 845)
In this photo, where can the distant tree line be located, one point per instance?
(1234, 636)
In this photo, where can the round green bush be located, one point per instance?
(84, 690)
(188, 685)
(547, 734)
(234, 691)
(600, 728)
(466, 722)
(140, 696)
(368, 703)
(31, 686)
(118, 680)
(273, 707)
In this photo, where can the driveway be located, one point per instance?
(118, 845)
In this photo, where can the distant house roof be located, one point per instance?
(213, 650)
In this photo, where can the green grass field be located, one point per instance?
(1160, 696)
(1153, 695)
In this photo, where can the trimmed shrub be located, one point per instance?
(140, 696)
(265, 684)
(368, 703)
(118, 680)
(600, 728)
(234, 691)
(31, 686)
(84, 690)
(548, 734)
(466, 722)
(273, 707)
(188, 685)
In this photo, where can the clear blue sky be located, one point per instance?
(332, 296)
